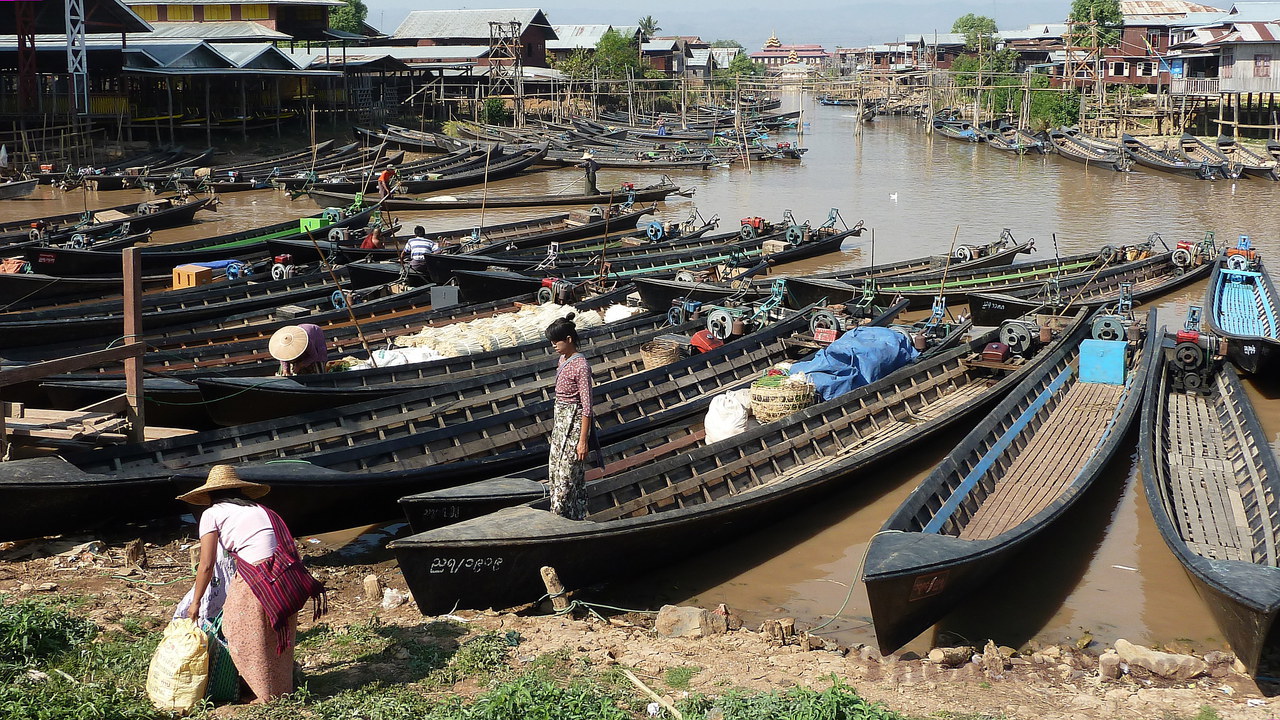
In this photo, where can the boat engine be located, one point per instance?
(1020, 335)
(283, 267)
(555, 290)
(681, 310)
(753, 227)
(1194, 356)
(339, 235)
(1242, 256)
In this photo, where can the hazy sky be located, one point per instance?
(847, 23)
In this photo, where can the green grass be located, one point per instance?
(1207, 712)
(59, 666)
(677, 678)
(838, 702)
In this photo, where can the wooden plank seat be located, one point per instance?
(1048, 462)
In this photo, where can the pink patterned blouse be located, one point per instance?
(573, 382)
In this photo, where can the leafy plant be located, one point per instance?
(838, 702)
(483, 655)
(32, 631)
(677, 678)
(495, 112)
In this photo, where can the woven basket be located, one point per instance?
(657, 353)
(770, 401)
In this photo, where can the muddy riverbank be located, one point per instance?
(373, 643)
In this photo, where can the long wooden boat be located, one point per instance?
(1177, 164)
(650, 193)
(613, 350)
(13, 189)
(1148, 278)
(1213, 486)
(370, 157)
(148, 215)
(1251, 163)
(43, 337)
(510, 164)
(366, 172)
(956, 130)
(1009, 480)
(233, 352)
(58, 227)
(1240, 305)
(1001, 135)
(243, 351)
(523, 233)
(243, 245)
(966, 257)
(659, 263)
(697, 498)
(957, 285)
(1068, 143)
(347, 476)
(1197, 150)
(364, 178)
(433, 509)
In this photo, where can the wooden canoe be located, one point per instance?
(1068, 143)
(1207, 450)
(1149, 278)
(651, 193)
(1240, 305)
(1009, 480)
(1173, 162)
(697, 498)
(611, 350)
(1252, 164)
(349, 476)
(956, 285)
(244, 245)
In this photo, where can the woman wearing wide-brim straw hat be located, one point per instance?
(301, 349)
(234, 525)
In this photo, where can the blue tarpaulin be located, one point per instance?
(217, 264)
(858, 357)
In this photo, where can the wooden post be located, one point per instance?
(554, 588)
(133, 333)
(208, 115)
(168, 92)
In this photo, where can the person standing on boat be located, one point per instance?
(571, 428)
(301, 349)
(236, 526)
(591, 166)
(386, 181)
(418, 248)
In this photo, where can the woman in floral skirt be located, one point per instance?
(572, 426)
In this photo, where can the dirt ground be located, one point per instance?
(1045, 683)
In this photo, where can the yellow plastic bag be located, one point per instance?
(180, 668)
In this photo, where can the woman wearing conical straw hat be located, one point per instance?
(233, 524)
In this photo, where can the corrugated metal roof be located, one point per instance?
(1163, 7)
(223, 30)
(1255, 12)
(261, 56)
(723, 56)
(1256, 32)
(466, 23)
(1038, 31)
(934, 38)
(659, 46)
(701, 56)
(573, 37)
(410, 54)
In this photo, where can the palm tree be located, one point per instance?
(649, 26)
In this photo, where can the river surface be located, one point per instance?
(1104, 569)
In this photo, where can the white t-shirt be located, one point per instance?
(244, 530)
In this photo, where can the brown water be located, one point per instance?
(1104, 569)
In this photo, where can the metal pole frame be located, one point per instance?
(77, 57)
